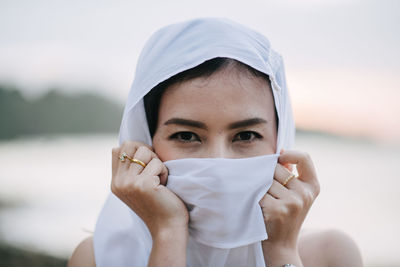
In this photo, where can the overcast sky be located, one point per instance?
(342, 57)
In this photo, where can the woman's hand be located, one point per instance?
(285, 208)
(143, 190)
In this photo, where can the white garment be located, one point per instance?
(121, 238)
(222, 197)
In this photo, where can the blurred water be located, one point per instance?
(53, 188)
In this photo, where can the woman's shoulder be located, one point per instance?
(329, 247)
(83, 254)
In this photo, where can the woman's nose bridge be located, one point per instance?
(218, 148)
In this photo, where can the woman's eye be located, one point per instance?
(247, 136)
(185, 137)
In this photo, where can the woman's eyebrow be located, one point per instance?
(245, 123)
(198, 124)
(186, 122)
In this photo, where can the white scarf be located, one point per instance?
(222, 197)
(121, 238)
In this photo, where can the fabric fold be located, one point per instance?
(222, 197)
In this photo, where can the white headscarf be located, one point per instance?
(121, 238)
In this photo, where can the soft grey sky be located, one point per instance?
(342, 57)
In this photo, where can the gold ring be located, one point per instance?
(124, 156)
(290, 177)
(141, 163)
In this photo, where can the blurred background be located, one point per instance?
(66, 68)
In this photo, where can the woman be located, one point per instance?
(202, 175)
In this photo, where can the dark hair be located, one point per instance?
(204, 70)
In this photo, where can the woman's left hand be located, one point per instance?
(286, 206)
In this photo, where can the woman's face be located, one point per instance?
(228, 115)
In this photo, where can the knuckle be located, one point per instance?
(145, 152)
(317, 188)
(149, 147)
(295, 204)
(316, 194)
(308, 197)
(139, 186)
(116, 187)
(267, 206)
(279, 211)
(283, 212)
(156, 162)
(142, 149)
(263, 202)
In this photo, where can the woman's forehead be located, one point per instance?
(224, 93)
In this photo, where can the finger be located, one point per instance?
(156, 168)
(303, 190)
(287, 165)
(282, 174)
(143, 154)
(266, 200)
(129, 148)
(277, 190)
(268, 204)
(305, 166)
(295, 184)
(114, 160)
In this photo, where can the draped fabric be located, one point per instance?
(121, 238)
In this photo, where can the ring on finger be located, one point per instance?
(124, 156)
(287, 180)
(137, 161)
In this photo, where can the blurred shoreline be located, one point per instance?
(13, 256)
(56, 113)
(16, 256)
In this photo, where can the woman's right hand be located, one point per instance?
(144, 191)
